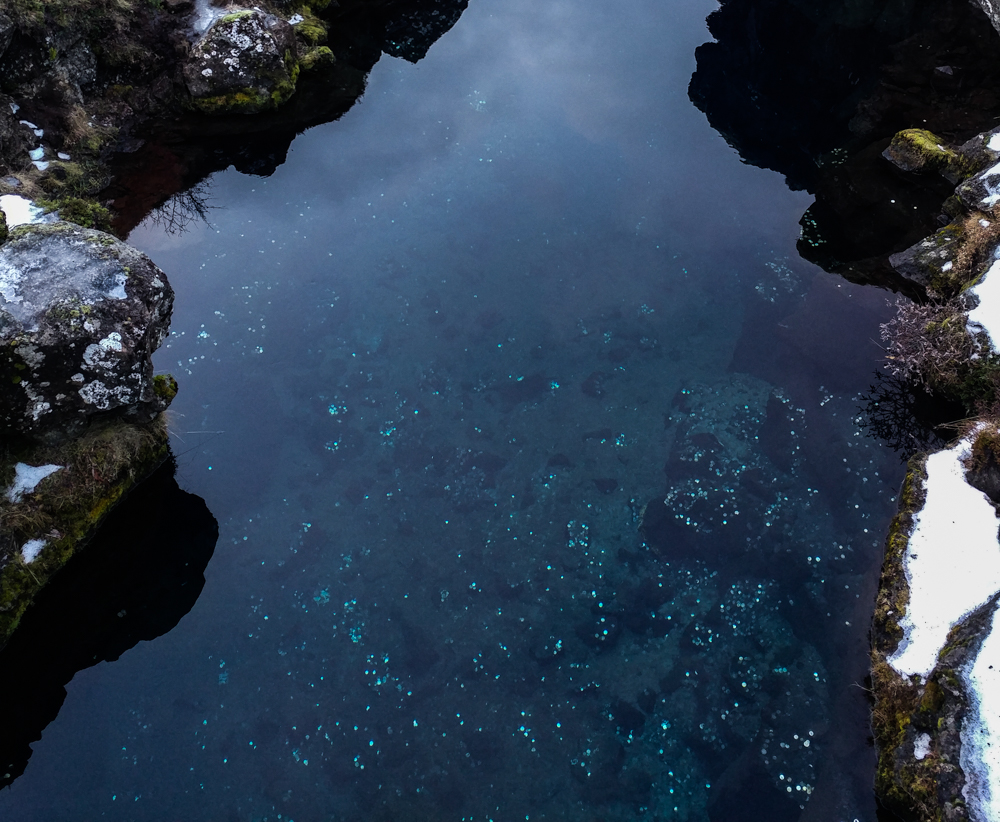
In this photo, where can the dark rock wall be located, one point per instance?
(816, 91)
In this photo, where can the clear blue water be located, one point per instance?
(534, 451)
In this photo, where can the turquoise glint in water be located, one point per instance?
(534, 449)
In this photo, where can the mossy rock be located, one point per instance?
(3, 227)
(236, 15)
(319, 57)
(165, 387)
(65, 508)
(931, 262)
(86, 213)
(916, 149)
(311, 30)
(246, 63)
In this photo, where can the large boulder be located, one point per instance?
(80, 316)
(247, 62)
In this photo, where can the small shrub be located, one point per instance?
(928, 344)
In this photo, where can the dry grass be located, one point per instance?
(928, 344)
(108, 455)
(979, 241)
(895, 700)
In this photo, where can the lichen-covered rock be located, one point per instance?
(80, 316)
(930, 262)
(246, 63)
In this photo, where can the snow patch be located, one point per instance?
(992, 189)
(921, 746)
(32, 548)
(27, 478)
(952, 562)
(986, 315)
(980, 758)
(20, 211)
(993, 144)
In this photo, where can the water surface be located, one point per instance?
(533, 448)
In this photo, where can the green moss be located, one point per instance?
(86, 213)
(66, 507)
(932, 700)
(319, 57)
(72, 312)
(94, 139)
(311, 30)
(236, 15)
(165, 387)
(3, 228)
(253, 100)
(916, 149)
(42, 228)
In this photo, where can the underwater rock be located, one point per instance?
(80, 316)
(935, 693)
(246, 63)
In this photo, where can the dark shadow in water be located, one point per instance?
(816, 93)
(173, 157)
(908, 418)
(142, 572)
(783, 81)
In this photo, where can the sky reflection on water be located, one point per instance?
(533, 449)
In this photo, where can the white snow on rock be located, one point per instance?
(27, 478)
(986, 315)
(980, 758)
(992, 185)
(952, 562)
(32, 548)
(994, 143)
(20, 211)
(921, 746)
